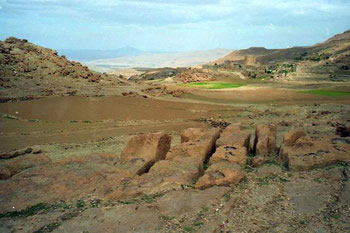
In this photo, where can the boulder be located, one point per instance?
(16, 165)
(233, 135)
(164, 176)
(307, 153)
(291, 137)
(195, 134)
(231, 154)
(221, 173)
(265, 139)
(148, 148)
(16, 153)
(199, 150)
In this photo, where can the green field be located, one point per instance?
(327, 93)
(214, 85)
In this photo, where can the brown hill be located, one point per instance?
(29, 71)
(239, 55)
(336, 49)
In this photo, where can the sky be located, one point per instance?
(173, 25)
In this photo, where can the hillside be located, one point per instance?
(336, 49)
(29, 71)
(239, 55)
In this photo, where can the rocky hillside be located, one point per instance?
(239, 55)
(28, 70)
(21, 58)
(336, 50)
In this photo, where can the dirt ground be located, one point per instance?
(81, 139)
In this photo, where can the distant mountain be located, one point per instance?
(94, 54)
(157, 60)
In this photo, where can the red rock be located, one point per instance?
(221, 173)
(291, 137)
(265, 139)
(193, 134)
(232, 154)
(309, 153)
(148, 148)
(233, 135)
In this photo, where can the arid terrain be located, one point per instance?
(257, 141)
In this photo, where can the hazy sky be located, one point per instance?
(173, 25)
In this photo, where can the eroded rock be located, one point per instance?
(307, 153)
(291, 137)
(265, 139)
(230, 153)
(221, 173)
(194, 134)
(233, 135)
(148, 148)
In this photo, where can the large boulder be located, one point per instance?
(164, 176)
(221, 173)
(307, 153)
(13, 166)
(148, 148)
(233, 135)
(19, 152)
(265, 139)
(231, 154)
(199, 150)
(195, 134)
(290, 137)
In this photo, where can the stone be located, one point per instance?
(265, 139)
(199, 150)
(233, 135)
(16, 165)
(165, 175)
(231, 154)
(148, 148)
(309, 153)
(221, 173)
(36, 149)
(195, 134)
(16, 153)
(188, 201)
(290, 137)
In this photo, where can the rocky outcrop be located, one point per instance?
(161, 91)
(290, 137)
(305, 153)
(16, 165)
(148, 148)
(197, 134)
(21, 58)
(194, 75)
(234, 136)
(231, 154)
(23, 151)
(264, 142)
(221, 173)
(182, 165)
